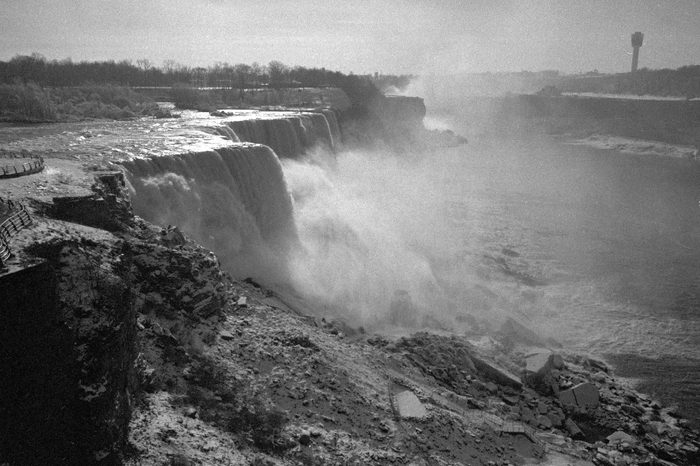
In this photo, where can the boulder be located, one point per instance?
(543, 361)
(408, 405)
(621, 437)
(584, 395)
(542, 369)
(538, 361)
(496, 373)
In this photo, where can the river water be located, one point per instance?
(596, 249)
(599, 250)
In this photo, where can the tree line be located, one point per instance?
(37, 69)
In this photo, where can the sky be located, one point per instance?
(362, 36)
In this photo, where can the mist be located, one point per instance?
(377, 228)
(363, 220)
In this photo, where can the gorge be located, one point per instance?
(295, 341)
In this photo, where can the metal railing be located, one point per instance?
(26, 168)
(18, 219)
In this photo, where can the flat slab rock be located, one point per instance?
(409, 406)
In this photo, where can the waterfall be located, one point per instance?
(289, 135)
(233, 200)
(227, 132)
(333, 124)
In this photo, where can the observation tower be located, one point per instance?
(637, 39)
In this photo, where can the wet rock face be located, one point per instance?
(173, 284)
(95, 301)
(70, 366)
(70, 360)
(35, 368)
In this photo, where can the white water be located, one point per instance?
(290, 134)
(233, 200)
(363, 221)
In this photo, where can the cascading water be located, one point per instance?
(233, 200)
(362, 220)
(333, 125)
(228, 133)
(290, 135)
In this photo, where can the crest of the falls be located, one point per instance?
(233, 200)
(228, 133)
(289, 135)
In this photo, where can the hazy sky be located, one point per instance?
(391, 36)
